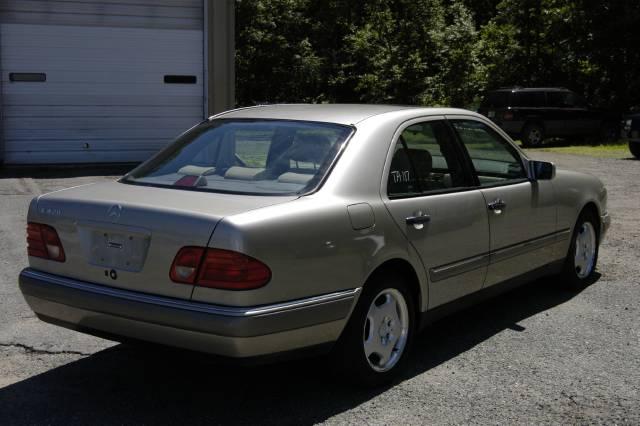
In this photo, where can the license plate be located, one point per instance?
(491, 114)
(117, 247)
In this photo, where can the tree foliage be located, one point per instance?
(435, 52)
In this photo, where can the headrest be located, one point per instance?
(422, 161)
(309, 147)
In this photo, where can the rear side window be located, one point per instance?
(495, 161)
(424, 160)
(247, 157)
(529, 99)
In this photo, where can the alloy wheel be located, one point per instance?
(386, 330)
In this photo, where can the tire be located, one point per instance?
(373, 348)
(634, 147)
(582, 258)
(532, 135)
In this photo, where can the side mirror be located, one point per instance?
(542, 170)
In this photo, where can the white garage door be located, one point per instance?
(98, 81)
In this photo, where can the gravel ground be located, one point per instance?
(535, 355)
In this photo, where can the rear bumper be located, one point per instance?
(228, 331)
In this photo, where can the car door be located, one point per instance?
(431, 197)
(522, 213)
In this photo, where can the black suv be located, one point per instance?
(631, 131)
(533, 114)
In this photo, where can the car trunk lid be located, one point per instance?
(126, 236)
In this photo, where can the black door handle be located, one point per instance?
(415, 220)
(497, 204)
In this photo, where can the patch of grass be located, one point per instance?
(619, 149)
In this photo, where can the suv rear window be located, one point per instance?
(258, 157)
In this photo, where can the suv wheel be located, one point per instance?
(533, 135)
(634, 147)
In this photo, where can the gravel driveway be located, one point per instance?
(536, 355)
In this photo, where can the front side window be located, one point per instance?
(424, 160)
(494, 159)
(275, 157)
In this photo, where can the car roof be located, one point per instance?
(348, 114)
(532, 89)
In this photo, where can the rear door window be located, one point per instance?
(425, 160)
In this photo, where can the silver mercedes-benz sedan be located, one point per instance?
(342, 228)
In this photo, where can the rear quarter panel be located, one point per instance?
(311, 248)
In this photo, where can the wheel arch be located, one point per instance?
(410, 276)
(592, 207)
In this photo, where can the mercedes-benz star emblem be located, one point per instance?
(114, 212)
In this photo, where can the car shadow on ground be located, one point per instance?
(64, 171)
(127, 385)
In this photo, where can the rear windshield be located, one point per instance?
(258, 157)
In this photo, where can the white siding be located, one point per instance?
(104, 98)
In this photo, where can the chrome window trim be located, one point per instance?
(228, 311)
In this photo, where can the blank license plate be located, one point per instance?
(122, 248)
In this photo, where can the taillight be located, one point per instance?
(217, 268)
(232, 271)
(185, 265)
(43, 241)
(508, 115)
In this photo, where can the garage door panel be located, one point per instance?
(90, 100)
(179, 3)
(110, 21)
(74, 123)
(114, 134)
(135, 144)
(110, 90)
(70, 157)
(134, 77)
(103, 111)
(51, 35)
(94, 8)
(86, 54)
